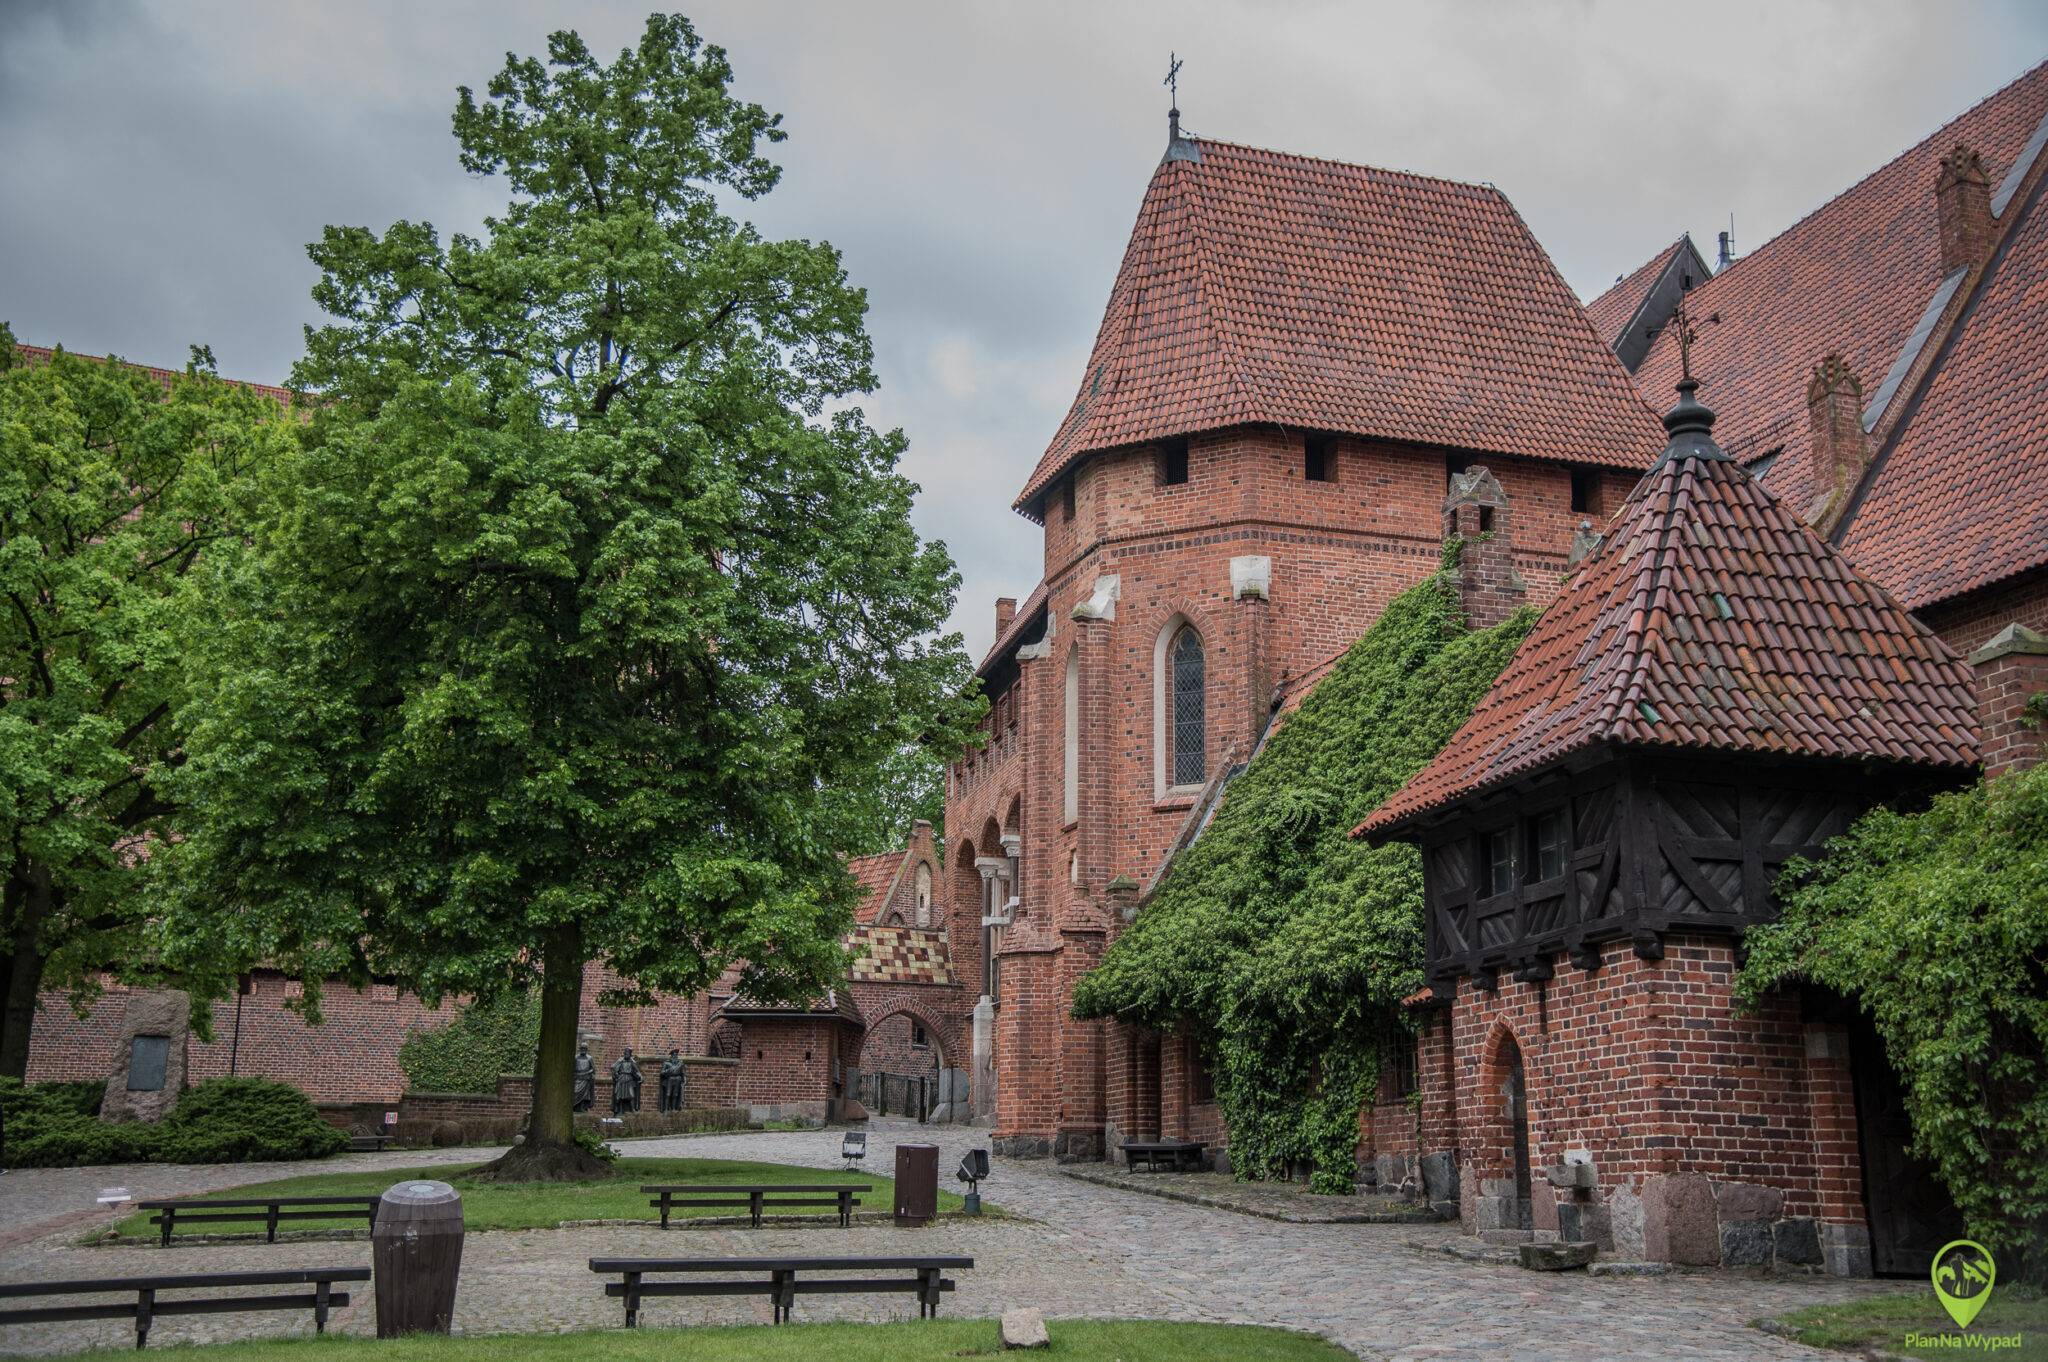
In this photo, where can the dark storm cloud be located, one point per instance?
(163, 166)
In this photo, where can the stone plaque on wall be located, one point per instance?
(147, 1058)
(148, 1073)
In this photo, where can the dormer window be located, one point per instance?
(1173, 463)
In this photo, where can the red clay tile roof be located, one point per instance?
(40, 354)
(1854, 277)
(1613, 310)
(1026, 613)
(1955, 504)
(876, 874)
(1260, 287)
(1709, 619)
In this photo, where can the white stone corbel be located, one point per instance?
(1251, 576)
(1101, 605)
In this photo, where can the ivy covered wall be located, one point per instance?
(1284, 945)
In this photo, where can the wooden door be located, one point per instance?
(1518, 1122)
(1911, 1215)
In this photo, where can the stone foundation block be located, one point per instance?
(1796, 1240)
(1746, 1243)
(1558, 1257)
(1845, 1249)
(1679, 1223)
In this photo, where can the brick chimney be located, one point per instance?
(1962, 196)
(1837, 445)
(1476, 514)
(1006, 610)
(2012, 699)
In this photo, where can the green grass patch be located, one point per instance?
(1888, 1321)
(544, 1205)
(908, 1341)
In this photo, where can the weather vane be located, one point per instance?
(1172, 81)
(1687, 332)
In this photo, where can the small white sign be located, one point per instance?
(390, 1118)
(113, 1196)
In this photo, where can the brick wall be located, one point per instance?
(1340, 550)
(890, 1048)
(1647, 1068)
(1967, 623)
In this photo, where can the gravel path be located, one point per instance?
(1077, 1249)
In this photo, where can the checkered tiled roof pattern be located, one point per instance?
(1260, 287)
(901, 955)
(1853, 277)
(1709, 619)
(40, 354)
(1955, 503)
(1613, 310)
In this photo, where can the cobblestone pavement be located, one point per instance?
(1075, 1249)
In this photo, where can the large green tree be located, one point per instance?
(110, 489)
(580, 612)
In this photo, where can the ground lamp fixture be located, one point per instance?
(973, 1168)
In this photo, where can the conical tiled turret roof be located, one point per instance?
(1710, 619)
(1260, 287)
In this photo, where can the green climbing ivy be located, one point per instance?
(1281, 943)
(1936, 923)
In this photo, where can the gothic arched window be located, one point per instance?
(924, 895)
(1187, 707)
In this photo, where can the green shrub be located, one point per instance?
(1936, 923)
(484, 1040)
(234, 1120)
(593, 1144)
(224, 1120)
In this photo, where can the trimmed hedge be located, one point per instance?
(223, 1120)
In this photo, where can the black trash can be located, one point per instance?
(917, 1183)
(416, 1250)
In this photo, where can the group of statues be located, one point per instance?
(626, 1082)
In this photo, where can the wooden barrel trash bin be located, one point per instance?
(917, 1183)
(416, 1251)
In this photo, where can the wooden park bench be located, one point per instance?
(753, 1200)
(146, 1306)
(367, 1143)
(1179, 1156)
(782, 1280)
(270, 1210)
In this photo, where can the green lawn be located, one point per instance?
(909, 1341)
(1885, 1321)
(544, 1205)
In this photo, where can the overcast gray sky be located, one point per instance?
(979, 164)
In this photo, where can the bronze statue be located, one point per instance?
(583, 1080)
(625, 1084)
(672, 1082)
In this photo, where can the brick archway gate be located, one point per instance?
(914, 1032)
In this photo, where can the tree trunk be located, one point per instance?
(550, 1153)
(21, 972)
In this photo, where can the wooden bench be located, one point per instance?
(779, 1279)
(755, 1199)
(368, 1144)
(1179, 1156)
(270, 1210)
(146, 1306)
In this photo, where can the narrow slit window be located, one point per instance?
(1067, 499)
(1497, 855)
(1173, 463)
(1548, 845)
(1318, 460)
(1585, 491)
(1189, 707)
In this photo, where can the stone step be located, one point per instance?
(1560, 1256)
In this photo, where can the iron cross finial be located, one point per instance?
(1687, 332)
(1172, 81)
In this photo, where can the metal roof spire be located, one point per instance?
(1178, 148)
(1691, 422)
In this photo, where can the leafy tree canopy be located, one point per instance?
(1936, 923)
(578, 612)
(110, 490)
(1284, 944)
